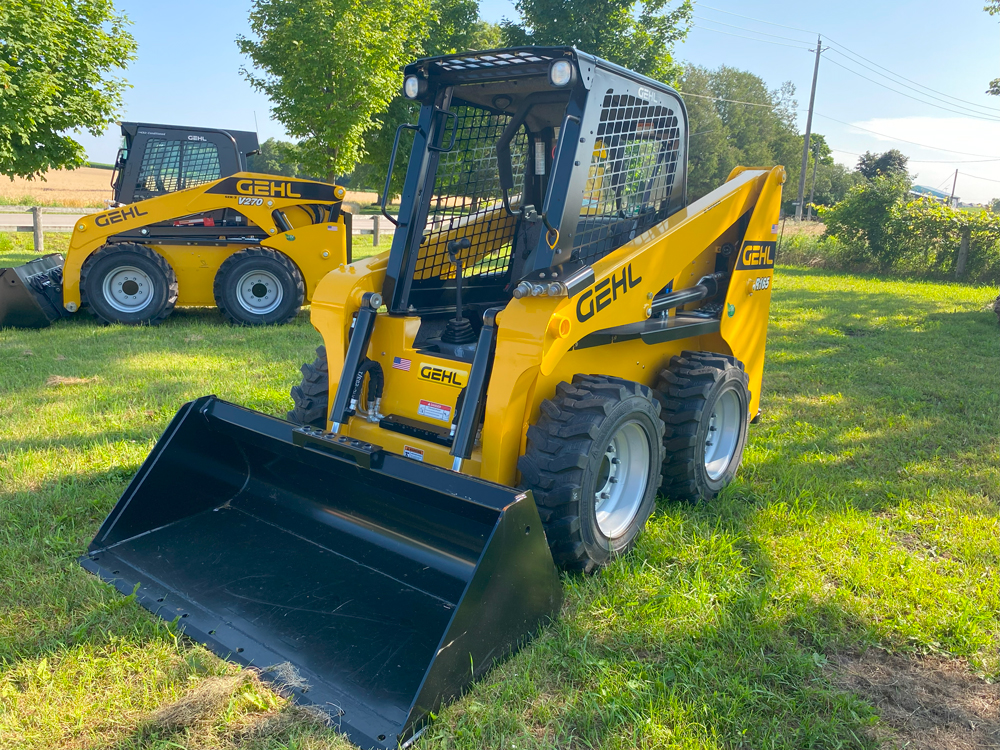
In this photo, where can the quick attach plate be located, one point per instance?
(312, 437)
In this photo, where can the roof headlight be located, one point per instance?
(561, 73)
(414, 87)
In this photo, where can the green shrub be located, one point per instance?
(862, 221)
(875, 228)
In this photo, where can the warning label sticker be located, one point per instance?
(441, 412)
(415, 453)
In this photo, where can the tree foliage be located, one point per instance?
(735, 119)
(879, 228)
(278, 157)
(329, 67)
(993, 8)
(455, 26)
(638, 35)
(892, 163)
(862, 219)
(56, 64)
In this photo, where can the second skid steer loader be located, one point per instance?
(189, 226)
(554, 337)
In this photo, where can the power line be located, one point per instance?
(903, 140)
(758, 20)
(926, 161)
(976, 177)
(753, 39)
(731, 101)
(915, 88)
(849, 51)
(752, 31)
(897, 75)
(967, 113)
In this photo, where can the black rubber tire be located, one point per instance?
(105, 260)
(563, 456)
(688, 390)
(312, 396)
(234, 267)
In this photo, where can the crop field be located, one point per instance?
(843, 592)
(86, 187)
(89, 187)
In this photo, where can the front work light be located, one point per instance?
(414, 87)
(561, 73)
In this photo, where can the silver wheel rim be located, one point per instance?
(723, 434)
(622, 479)
(127, 289)
(259, 292)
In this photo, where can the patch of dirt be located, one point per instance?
(926, 703)
(57, 380)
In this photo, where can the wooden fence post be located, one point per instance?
(36, 225)
(963, 254)
(376, 225)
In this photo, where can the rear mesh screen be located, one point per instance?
(201, 164)
(467, 200)
(632, 175)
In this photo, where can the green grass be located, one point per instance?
(865, 515)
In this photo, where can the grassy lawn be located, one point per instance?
(865, 519)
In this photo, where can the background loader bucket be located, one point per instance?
(31, 295)
(389, 588)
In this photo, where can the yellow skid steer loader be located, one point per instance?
(555, 336)
(189, 226)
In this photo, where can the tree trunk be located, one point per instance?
(963, 255)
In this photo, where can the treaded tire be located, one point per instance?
(277, 265)
(689, 389)
(105, 261)
(312, 396)
(563, 461)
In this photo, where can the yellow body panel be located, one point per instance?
(316, 248)
(536, 336)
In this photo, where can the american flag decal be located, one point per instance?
(398, 363)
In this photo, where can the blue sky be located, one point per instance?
(187, 72)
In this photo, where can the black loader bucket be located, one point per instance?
(31, 295)
(387, 583)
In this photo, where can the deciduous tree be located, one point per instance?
(638, 35)
(58, 65)
(330, 66)
(455, 26)
(892, 163)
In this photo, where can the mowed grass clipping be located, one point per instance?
(865, 516)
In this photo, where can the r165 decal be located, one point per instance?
(761, 282)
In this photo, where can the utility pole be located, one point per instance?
(809, 124)
(951, 201)
(812, 190)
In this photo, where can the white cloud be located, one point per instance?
(933, 162)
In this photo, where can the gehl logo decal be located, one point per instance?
(275, 189)
(116, 217)
(268, 188)
(445, 375)
(604, 293)
(756, 255)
